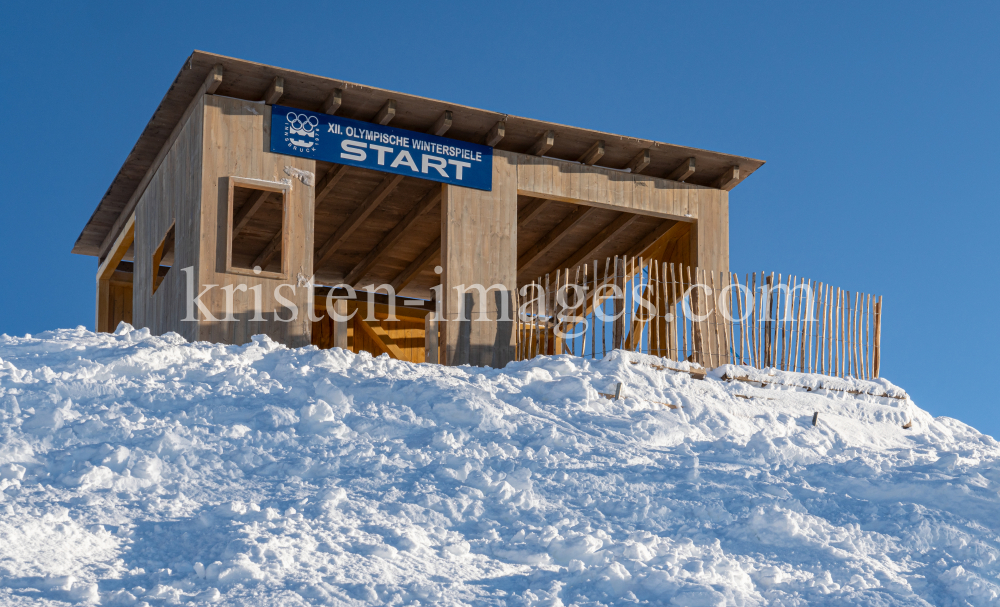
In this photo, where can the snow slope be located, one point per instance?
(147, 470)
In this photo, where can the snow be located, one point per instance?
(142, 470)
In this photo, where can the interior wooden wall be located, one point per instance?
(406, 334)
(173, 195)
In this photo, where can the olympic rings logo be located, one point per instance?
(302, 123)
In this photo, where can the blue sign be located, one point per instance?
(373, 146)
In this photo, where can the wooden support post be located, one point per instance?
(340, 326)
(105, 271)
(479, 247)
(431, 338)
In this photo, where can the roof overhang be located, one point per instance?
(249, 80)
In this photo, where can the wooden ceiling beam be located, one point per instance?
(593, 153)
(543, 144)
(386, 113)
(607, 233)
(330, 180)
(393, 237)
(685, 170)
(118, 249)
(274, 91)
(214, 79)
(272, 247)
(352, 223)
(333, 101)
(531, 210)
(251, 206)
(442, 124)
(429, 254)
(495, 134)
(639, 163)
(728, 179)
(551, 239)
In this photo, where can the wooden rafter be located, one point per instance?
(729, 179)
(274, 91)
(214, 79)
(432, 252)
(333, 101)
(272, 247)
(386, 113)
(359, 215)
(551, 239)
(639, 163)
(593, 153)
(495, 134)
(607, 233)
(531, 210)
(330, 180)
(544, 142)
(393, 237)
(118, 249)
(682, 172)
(442, 124)
(251, 206)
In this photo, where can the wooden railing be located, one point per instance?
(711, 318)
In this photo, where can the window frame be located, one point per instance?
(277, 187)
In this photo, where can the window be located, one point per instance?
(257, 227)
(163, 258)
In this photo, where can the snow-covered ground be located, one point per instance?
(147, 470)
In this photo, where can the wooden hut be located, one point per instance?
(256, 188)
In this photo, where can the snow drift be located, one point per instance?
(147, 470)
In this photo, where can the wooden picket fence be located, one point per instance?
(712, 318)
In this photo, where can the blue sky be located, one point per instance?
(878, 122)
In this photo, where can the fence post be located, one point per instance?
(877, 363)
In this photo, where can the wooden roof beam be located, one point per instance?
(495, 134)
(272, 247)
(324, 187)
(684, 171)
(593, 153)
(431, 253)
(358, 217)
(333, 101)
(393, 237)
(531, 210)
(275, 91)
(639, 163)
(551, 239)
(442, 124)
(728, 179)
(543, 144)
(386, 113)
(118, 249)
(251, 206)
(214, 79)
(607, 233)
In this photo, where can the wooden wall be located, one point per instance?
(403, 339)
(173, 195)
(237, 135)
(479, 246)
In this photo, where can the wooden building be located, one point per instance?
(203, 200)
